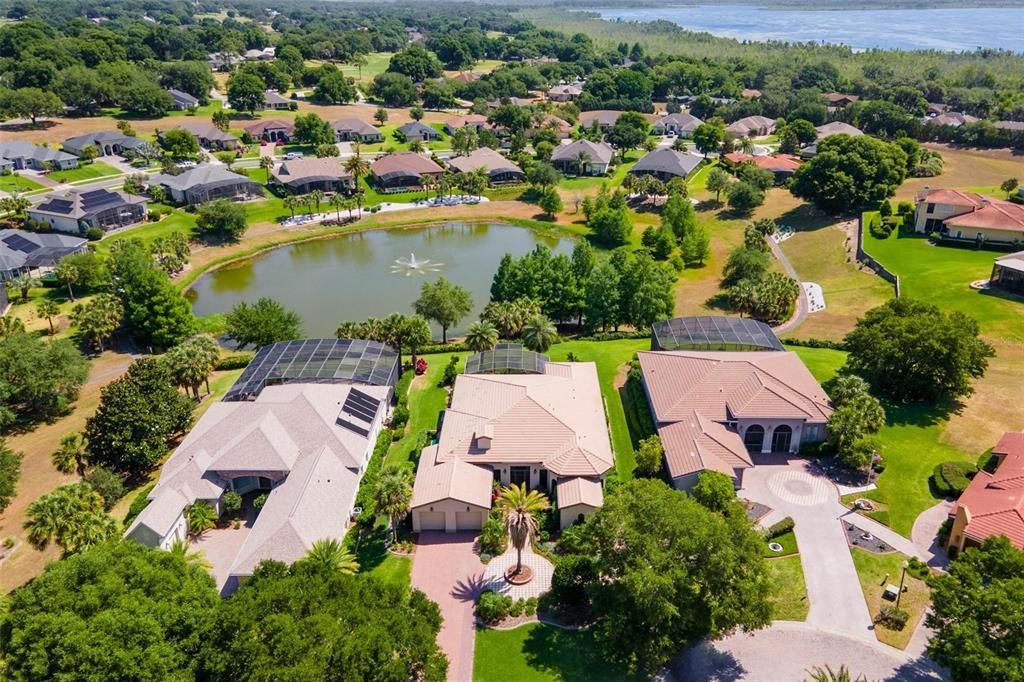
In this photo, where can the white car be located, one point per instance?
(186, 164)
(290, 156)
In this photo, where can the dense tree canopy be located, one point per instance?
(38, 379)
(155, 311)
(310, 624)
(977, 609)
(910, 350)
(118, 611)
(444, 303)
(850, 173)
(10, 472)
(262, 323)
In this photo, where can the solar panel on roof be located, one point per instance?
(58, 206)
(19, 243)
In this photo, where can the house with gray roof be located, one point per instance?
(22, 252)
(207, 182)
(499, 169)
(208, 135)
(352, 130)
(18, 155)
(680, 124)
(77, 210)
(106, 142)
(417, 130)
(583, 157)
(182, 100)
(297, 444)
(666, 164)
(272, 99)
(541, 425)
(302, 176)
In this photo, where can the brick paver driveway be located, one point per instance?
(447, 570)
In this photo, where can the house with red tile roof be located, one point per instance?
(782, 166)
(993, 503)
(967, 215)
(543, 427)
(714, 409)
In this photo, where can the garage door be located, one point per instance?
(467, 520)
(431, 520)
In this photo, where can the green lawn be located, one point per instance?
(789, 594)
(17, 183)
(609, 356)
(613, 180)
(375, 560)
(176, 221)
(822, 362)
(943, 274)
(376, 63)
(875, 571)
(89, 171)
(541, 653)
(788, 542)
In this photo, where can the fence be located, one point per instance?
(867, 259)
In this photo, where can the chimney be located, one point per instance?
(484, 437)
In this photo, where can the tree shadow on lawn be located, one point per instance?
(922, 415)
(571, 655)
(806, 218)
(719, 301)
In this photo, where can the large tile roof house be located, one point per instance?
(565, 93)
(781, 166)
(351, 129)
(839, 100)
(605, 118)
(272, 99)
(271, 130)
(666, 164)
(404, 169)
(301, 176)
(205, 183)
(182, 100)
(18, 155)
(597, 157)
(827, 130)
(499, 169)
(993, 503)
(751, 126)
(478, 121)
(967, 215)
(295, 442)
(76, 210)
(22, 251)
(545, 429)
(676, 124)
(417, 130)
(107, 142)
(713, 408)
(949, 118)
(209, 135)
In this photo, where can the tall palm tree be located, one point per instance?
(180, 548)
(331, 556)
(316, 196)
(89, 530)
(64, 516)
(481, 335)
(746, 145)
(518, 506)
(267, 164)
(71, 455)
(22, 283)
(581, 162)
(200, 517)
(192, 361)
(392, 494)
(539, 334)
(291, 202)
(357, 167)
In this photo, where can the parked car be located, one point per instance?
(292, 155)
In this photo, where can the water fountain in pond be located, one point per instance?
(412, 265)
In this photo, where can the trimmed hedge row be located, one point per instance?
(815, 343)
(950, 479)
(780, 528)
(234, 361)
(493, 607)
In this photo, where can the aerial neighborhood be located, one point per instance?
(484, 343)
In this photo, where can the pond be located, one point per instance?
(369, 274)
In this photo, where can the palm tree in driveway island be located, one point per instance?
(518, 506)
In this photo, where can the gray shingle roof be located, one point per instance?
(596, 152)
(667, 161)
(200, 175)
(21, 249)
(16, 149)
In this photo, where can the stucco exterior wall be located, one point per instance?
(449, 508)
(569, 515)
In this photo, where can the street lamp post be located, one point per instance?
(903, 577)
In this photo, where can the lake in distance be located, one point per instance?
(355, 276)
(953, 29)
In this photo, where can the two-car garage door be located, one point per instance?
(471, 520)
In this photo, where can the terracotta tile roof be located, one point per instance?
(693, 393)
(257, 129)
(953, 197)
(993, 214)
(485, 157)
(750, 93)
(995, 501)
(579, 490)
(780, 162)
(298, 169)
(456, 122)
(839, 97)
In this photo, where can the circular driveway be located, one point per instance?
(798, 487)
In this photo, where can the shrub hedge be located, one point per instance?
(950, 479)
(781, 527)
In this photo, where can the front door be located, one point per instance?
(781, 438)
(519, 475)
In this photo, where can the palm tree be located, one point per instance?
(72, 455)
(518, 507)
(316, 196)
(359, 61)
(330, 556)
(539, 334)
(826, 674)
(392, 494)
(200, 517)
(581, 162)
(10, 325)
(22, 283)
(337, 202)
(48, 309)
(291, 202)
(192, 361)
(357, 167)
(481, 336)
(746, 145)
(267, 164)
(72, 516)
(180, 548)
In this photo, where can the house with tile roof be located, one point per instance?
(271, 130)
(782, 166)
(404, 169)
(993, 503)
(956, 214)
(477, 121)
(567, 92)
(293, 443)
(1008, 273)
(545, 429)
(302, 176)
(605, 119)
(417, 130)
(354, 130)
(751, 126)
(596, 157)
(714, 409)
(499, 169)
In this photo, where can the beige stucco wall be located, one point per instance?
(989, 234)
(568, 515)
(449, 508)
(941, 212)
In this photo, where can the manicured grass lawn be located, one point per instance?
(942, 275)
(176, 221)
(541, 653)
(376, 63)
(614, 180)
(375, 560)
(789, 596)
(427, 399)
(788, 542)
(872, 570)
(17, 183)
(822, 362)
(89, 171)
(609, 356)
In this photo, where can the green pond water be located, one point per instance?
(360, 275)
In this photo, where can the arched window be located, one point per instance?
(781, 438)
(754, 437)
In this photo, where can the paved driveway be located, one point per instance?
(447, 570)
